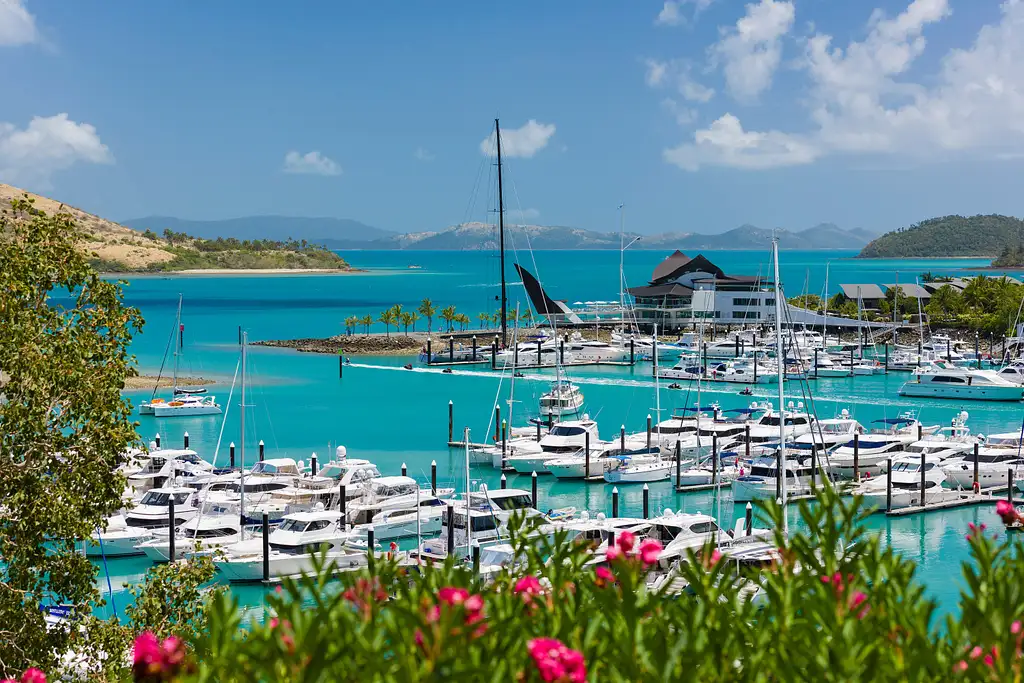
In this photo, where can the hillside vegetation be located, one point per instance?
(949, 236)
(115, 248)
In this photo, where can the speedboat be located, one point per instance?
(962, 383)
(118, 539)
(182, 405)
(152, 511)
(639, 471)
(762, 480)
(291, 548)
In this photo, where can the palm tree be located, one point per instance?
(511, 316)
(406, 319)
(448, 315)
(413, 317)
(351, 323)
(366, 320)
(496, 318)
(427, 310)
(525, 316)
(388, 318)
(485, 319)
(463, 320)
(397, 310)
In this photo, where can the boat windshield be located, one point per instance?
(833, 428)
(162, 499)
(560, 430)
(209, 533)
(491, 556)
(390, 491)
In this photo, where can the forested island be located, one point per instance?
(950, 236)
(114, 248)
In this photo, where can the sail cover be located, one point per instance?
(542, 303)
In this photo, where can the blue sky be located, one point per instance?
(700, 115)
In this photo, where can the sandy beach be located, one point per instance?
(149, 381)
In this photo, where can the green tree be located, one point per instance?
(66, 427)
(366, 320)
(427, 310)
(463, 321)
(946, 303)
(811, 302)
(351, 323)
(448, 316)
(413, 319)
(526, 316)
(406, 319)
(485, 319)
(388, 318)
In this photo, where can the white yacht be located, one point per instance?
(291, 548)
(568, 437)
(962, 383)
(183, 405)
(1014, 372)
(887, 440)
(216, 526)
(762, 480)
(639, 470)
(407, 521)
(998, 453)
(906, 484)
(583, 351)
(604, 458)
(118, 539)
(764, 434)
(564, 398)
(152, 511)
(165, 464)
(826, 435)
(829, 367)
(391, 493)
(490, 512)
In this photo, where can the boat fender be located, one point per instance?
(976, 486)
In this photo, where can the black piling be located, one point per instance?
(451, 349)
(647, 501)
(313, 467)
(451, 415)
(430, 354)
(632, 350)
(497, 422)
(405, 470)
(746, 441)
(586, 456)
(504, 482)
(433, 477)
(170, 529)
(533, 491)
(504, 443)
(615, 501)
(622, 438)
(157, 439)
(714, 457)
(266, 547)
(341, 364)
(231, 455)
(474, 348)
(923, 481)
(451, 528)
(679, 460)
(888, 484)
(369, 547)
(185, 440)
(977, 484)
(748, 522)
(856, 457)
(1009, 485)
(476, 557)
(648, 432)
(342, 503)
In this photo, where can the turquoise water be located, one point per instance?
(394, 416)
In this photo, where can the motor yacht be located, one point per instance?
(603, 459)
(163, 465)
(216, 526)
(997, 454)
(761, 481)
(763, 435)
(152, 511)
(565, 438)
(1014, 372)
(490, 512)
(391, 493)
(906, 484)
(887, 439)
(962, 383)
(118, 539)
(639, 470)
(407, 521)
(564, 398)
(292, 545)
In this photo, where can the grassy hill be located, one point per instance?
(949, 236)
(116, 248)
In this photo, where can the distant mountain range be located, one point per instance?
(949, 236)
(340, 233)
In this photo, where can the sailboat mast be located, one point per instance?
(501, 239)
(782, 373)
(177, 346)
(241, 486)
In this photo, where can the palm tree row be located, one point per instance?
(398, 317)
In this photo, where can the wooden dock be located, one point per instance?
(966, 499)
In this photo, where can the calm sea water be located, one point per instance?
(298, 405)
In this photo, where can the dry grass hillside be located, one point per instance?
(110, 241)
(116, 248)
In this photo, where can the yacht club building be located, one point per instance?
(683, 290)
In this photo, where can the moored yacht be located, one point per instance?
(216, 526)
(604, 458)
(565, 438)
(762, 480)
(183, 405)
(391, 493)
(152, 511)
(639, 470)
(564, 398)
(118, 539)
(998, 453)
(906, 484)
(962, 383)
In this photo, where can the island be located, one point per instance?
(950, 237)
(115, 248)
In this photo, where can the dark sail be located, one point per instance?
(542, 303)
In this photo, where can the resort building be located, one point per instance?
(683, 290)
(871, 296)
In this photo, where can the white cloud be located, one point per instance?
(683, 115)
(17, 26)
(671, 13)
(863, 101)
(524, 141)
(517, 216)
(752, 50)
(422, 154)
(678, 74)
(313, 163)
(47, 145)
(725, 143)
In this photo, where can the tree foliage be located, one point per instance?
(66, 428)
(948, 236)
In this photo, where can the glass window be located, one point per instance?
(293, 525)
(567, 431)
(703, 527)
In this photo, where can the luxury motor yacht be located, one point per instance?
(604, 458)
(564, 398)
(216, 526)
(906, 484)
(762, 480)
(962, 383)
(118, 539)
(407, 521)
(490, 512)
(565, 438)
(997, 454)
(152, 511)
(163, 465)
(391, 493)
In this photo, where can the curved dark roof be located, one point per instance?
(679, 263)
(668, 289)
(672, 262)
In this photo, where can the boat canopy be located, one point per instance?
(894, 420)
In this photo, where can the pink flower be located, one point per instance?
(826, 579)
(147, 649)
(603, 576)
(151, 660)
(988, 660)
(557, 663)
(960, 666)
(650, 549)
(976, 652)
(33, 675)
(1006, 511)
(625, 541)
(528, 587)
(612, 553)
(452, 596)
(8, 680)
(1015, 628)
(173, 651)
(858, 600)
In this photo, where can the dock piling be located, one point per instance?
(170, 529)
(504, 481)
(312, 465)
(779, 473)
(586, 456)
(632, 350)
(746, 441)
(433, 477)
(856, 457)
(451, 528)
(1009, 485)
(533, 490)
(476, 556)
(342, 501)
(405, 470)
(157, 439)
(231, 455)
(748, 522)
(714, 457)
(920, 432)
(497, 422)
(504, 443)
(369, 547)
(622, 438)
(561, 351)
(615, 502)
(679, 460)
(266, 547)
(341, 364)
(888, 484)
(923, 482)
(451, 349)
(474, 348)
(977, 485)
(647, 501)
(538, 429)
(262, 446)
(648, 432)
(451, 414)
(494, 354)
(814, 463)
(185, 440)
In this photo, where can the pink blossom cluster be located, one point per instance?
(31, 675)
(154, 660)
(1007, 512)
(283, 629)
(530, 590)
(364, 594)
(557, 663)
(451, 599)
(648, 550)
(856, 600)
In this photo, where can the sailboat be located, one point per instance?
(184, 402)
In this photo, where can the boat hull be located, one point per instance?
(116, 544)
(974, 393)
(281, 565)
(625, 475)
(184, 411)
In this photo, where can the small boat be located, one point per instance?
(118, 539)
(762, 480)
(639, 471)
(962, 383)
(564, 398)
(603, 459)
(184, 405)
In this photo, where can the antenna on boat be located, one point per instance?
(501, 239)
(782, 373)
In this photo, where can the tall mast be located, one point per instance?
(241, 486)
(177, 345)
(782, 372)
(501, 239)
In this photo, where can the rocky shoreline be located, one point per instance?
(364, 345)
(150, 381)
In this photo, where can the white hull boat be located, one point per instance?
(976, 385)
(639, 473)
(119, 540)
